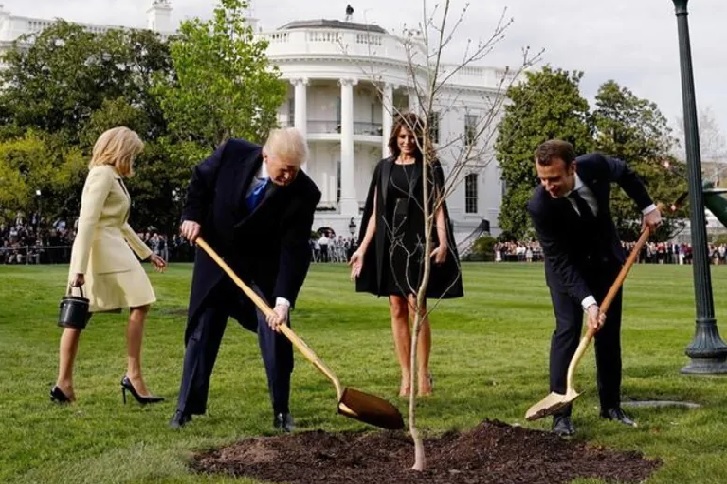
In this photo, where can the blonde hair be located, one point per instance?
(117, 147)
(287, 144)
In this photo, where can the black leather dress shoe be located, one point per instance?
(284, 422)
(563, 427)
(179, 419)
(619, 415)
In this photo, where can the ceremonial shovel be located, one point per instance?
(555, 401)
(351, 402)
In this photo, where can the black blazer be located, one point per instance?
(575, 254)
(268, 246)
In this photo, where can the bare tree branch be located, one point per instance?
(435, 86)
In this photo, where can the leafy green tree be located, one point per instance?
(635, 130)
(47, 81)
(223, 84)
(148, 57)
(56, 79)
(158, 189)
(114, 112)
(547, 105)
(30, 165)
(69, 86)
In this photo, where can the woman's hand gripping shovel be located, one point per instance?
(351, 402)
(555, 401)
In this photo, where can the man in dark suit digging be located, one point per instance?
(583, 255)
(255, 208)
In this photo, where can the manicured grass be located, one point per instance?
(489, 361)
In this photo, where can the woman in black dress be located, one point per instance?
(389, 260)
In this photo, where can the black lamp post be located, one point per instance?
(352, 245)
(707, 351)
(39, 194)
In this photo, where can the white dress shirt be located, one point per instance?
(261, 177)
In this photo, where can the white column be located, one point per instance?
(332, 189)
(301, 110)
(301, 118)
(323, 187)
(348, 205)
(387, 114)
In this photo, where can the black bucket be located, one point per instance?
(74, 310)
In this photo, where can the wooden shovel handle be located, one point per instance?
(267, 311)
(605, 304)
(633, 255)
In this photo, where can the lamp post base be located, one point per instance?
(707, 351)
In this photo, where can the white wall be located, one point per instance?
(322, 166)
(322, 169)
(366, 159)
(453, 104)
(322, 103)
(325, 154)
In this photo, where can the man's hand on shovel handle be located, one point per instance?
(653, 219)
(189, 230)
(279, 317)
(596, 318)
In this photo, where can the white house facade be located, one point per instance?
(346, 81)
(158, 19)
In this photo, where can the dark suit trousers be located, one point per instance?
(568, 326)
(204, 340)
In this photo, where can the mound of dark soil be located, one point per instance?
(492, 452)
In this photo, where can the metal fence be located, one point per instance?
(36, 254)
(32, 255)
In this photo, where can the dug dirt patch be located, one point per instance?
(492, 452)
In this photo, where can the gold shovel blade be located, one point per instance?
(550, 404)
(369, 409)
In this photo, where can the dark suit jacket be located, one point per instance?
(268, 246)
(574, 255)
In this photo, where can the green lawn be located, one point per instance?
(489, 360)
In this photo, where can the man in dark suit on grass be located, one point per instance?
(583, 255)
(255, 208)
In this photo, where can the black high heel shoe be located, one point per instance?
(126, 385)
(57, 396)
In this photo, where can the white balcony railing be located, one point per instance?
(300, 43)
(334, 42)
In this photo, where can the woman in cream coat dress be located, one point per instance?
(102, 261)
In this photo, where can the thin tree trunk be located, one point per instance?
(420, 458)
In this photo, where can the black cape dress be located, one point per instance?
(393, 263)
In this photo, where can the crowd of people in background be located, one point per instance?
(331, 248)
(652, 253)
(35, 240)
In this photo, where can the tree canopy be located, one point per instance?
(65, 86)
(549, 105)
(57, 79)
(634, 129)
(223, 85)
